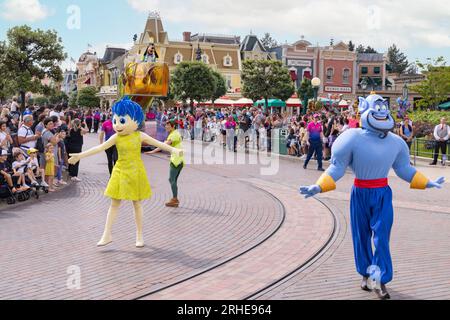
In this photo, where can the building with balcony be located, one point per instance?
(87, 68)
(111, 66)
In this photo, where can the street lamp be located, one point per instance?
(363, 85)
(316, 85)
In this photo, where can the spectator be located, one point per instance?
(407, 131)
(49, 137)
(442, 135)
(21, 166)
(75, 145)
(315, 138)
(107, 131)
(14, 107)
(26, 137)
(6, 142)
(97, 118)
(61, 159)
(230, 127)
(33, 165)
(50, 166)
(5, 172)
(89, 120)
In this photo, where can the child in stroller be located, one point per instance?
(20, 168)
(36, 173)
(8, 182)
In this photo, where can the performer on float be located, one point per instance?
(129, 178)
(176, 162)
(371, 152)
(150, 54)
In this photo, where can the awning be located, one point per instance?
(294, 102)
(272, 103)
(343, 104)
(445, 105)
(244, 102)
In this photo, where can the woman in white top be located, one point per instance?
(5, 138)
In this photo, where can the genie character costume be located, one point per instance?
(371, 152)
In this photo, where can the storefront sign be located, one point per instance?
(338, 89)
(299, 63)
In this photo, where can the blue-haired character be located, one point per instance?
(129, 178)
(371, 152)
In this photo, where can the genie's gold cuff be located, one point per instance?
(326, 183)
(419, 181)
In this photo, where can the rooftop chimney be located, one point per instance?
(187, 36)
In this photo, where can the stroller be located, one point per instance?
(7, 195)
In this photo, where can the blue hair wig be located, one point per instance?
(127, 107)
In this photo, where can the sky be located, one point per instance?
(421, 29)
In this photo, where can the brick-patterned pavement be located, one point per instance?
(227, 215)
(40, 240)
(304, 233)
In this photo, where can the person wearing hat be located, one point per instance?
(5, 170)
(176, 161)
(33, 166)
(315, 138)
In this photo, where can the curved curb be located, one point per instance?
(304, 233)
(218, 265)
(307, 264)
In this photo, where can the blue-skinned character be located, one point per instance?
(371, 152)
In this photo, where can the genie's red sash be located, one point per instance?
(371, 184)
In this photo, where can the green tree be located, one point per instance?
(73, 99)
(351, 46)
(268, 42)
(58, 97)
(221, 87)
(7, 82)
(266, 79)
(306, 92)
(194, 81)
(435, 89)
(31, 55)
(363, 49)
(398, 61)
(41, 101)
(87, 97)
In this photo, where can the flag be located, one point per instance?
(90, 45)
(72, 60)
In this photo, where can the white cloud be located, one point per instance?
(378, 23)
(24, 10)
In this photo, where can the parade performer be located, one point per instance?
(176, 162)
(150, 54)
(129, 178)
(371, 152)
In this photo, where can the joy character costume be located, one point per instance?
(371, 152)
(129, 178)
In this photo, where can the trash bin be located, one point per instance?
(279, 141)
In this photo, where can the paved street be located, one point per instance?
(237, 235)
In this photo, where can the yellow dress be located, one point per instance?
(50, 165)
(129, 179)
